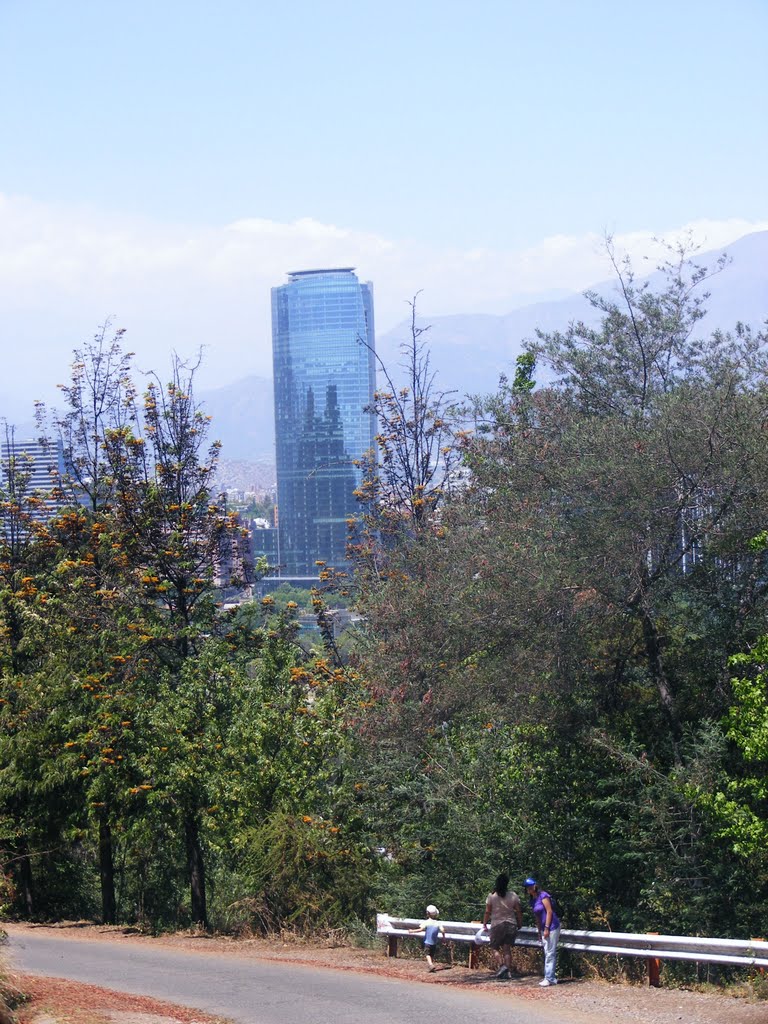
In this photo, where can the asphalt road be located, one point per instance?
(263, 992)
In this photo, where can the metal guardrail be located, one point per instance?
(652, 947)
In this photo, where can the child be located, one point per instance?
(433, 932)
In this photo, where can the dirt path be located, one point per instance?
(58, 1002)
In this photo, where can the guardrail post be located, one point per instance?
(392, 945)
(473, 956)
(654, 968)
(761, 969)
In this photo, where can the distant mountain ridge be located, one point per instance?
(469, 352)
(243, 418)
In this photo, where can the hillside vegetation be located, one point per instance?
(558, 666)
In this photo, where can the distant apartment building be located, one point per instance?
(32, 469)
(324, 379)
(264, 541)
(233, 560)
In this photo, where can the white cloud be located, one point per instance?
(63, 270)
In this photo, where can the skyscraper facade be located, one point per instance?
(324, 376)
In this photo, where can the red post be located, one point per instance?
(654, 968)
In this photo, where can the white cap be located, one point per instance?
(432, 909)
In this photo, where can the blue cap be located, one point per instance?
(530, 881)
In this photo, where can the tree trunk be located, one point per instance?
(106, 869)
(195, 869)
(25, 878)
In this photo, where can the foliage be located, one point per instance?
(97, 396)
(628, 494)
(539, 680)
(589, 586)
(303, 873)
(411, 472)
(739, 801)
(285, 596)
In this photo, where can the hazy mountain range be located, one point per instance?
(470, 352)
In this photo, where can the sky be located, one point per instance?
(164, 163)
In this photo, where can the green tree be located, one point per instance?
(92, 560)
(292, 858)
(591, 582)
(176, 535)
(636, 483)
(740, 798)
(409, 481)
(99, 391)
(24, 559)
(411, 472)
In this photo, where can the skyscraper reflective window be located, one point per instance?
(324, 375)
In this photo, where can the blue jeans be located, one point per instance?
(550, 953)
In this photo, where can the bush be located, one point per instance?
(299, 873)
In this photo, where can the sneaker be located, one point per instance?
(544, 984)
(503, 973)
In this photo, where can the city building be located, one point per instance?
(324, 378)
(233, 560)
(31, 470)
(264, 542)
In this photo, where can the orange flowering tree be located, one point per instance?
(24, 639)
(178, 539)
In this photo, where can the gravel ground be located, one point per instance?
(55, 1001)
(605, 1003)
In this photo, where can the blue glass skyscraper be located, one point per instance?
(324, 375)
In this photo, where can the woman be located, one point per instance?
(503, 910)
(548, 924)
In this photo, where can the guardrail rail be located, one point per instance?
(651, 946)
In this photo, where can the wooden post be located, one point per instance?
(473, 956)
(654, 968)
(392, 945)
